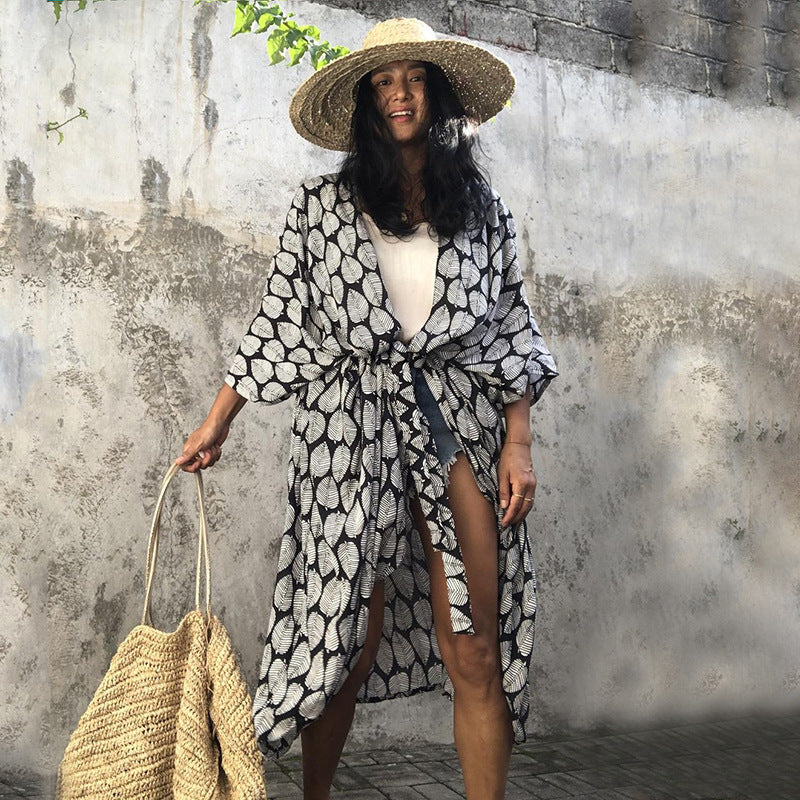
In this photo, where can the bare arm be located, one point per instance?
(203, 447)
(518, 425)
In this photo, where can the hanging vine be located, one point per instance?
(286, 38)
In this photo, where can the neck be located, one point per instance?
(413, 158)
(412, 165)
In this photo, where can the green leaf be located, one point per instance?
(325, 53)
(323, 56)
(275, 43)
(81, 5)
(292, 37)
(244, 18)
(57, 10)
(298, 52)
(274, 9)
(265, 19)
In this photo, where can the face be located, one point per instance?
(399, 89)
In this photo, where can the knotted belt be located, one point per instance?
(394, 380)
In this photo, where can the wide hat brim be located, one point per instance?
(323, 105)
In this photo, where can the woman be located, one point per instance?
(405, 563)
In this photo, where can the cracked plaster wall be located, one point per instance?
(657, 231)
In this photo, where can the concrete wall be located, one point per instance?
(657, 230)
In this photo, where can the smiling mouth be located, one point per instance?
(396, 114)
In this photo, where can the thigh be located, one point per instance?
(476, 531)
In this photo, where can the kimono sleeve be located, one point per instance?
(282, 350)
(522, 357)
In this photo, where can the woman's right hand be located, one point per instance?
(203, 447)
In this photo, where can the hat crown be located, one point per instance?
(397, 30)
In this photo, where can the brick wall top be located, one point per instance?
(746, 51)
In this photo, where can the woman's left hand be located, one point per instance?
(517, 481)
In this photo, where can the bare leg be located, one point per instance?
(481, 717)
(323, 740)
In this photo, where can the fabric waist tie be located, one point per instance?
(394, 378)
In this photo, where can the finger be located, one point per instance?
(186, 461)
(504, 485)
(514, 506)
(190, 466)
(189, 451)
(523, 486)
(211, 456)
(527, 505)
(186, 455)
(204, 457)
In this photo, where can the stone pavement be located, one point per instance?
(750, 758)
(740, 759)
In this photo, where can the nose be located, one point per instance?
(402, 88)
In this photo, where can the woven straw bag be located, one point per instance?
(172, 716)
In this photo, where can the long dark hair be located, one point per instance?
(456, 187)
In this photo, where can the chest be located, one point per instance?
(451, 287)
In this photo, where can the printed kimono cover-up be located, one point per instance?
(360, 449)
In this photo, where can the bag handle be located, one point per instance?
(202, 546)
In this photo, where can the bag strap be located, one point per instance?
(202, 546)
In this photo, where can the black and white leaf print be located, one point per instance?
(283, 597)
(333, 671)
(380, 321)
(439, 321)
(316, 631)
(312, 705)
(294, 694)
(330, 224)
(314, 207)
(361, 449)
(320, 459)
(330, 600)
(277, 677)
(316, 243)
(299, 661)
(284, 632)
(359, 308)
(287, 554)
(349, 558)
(279, 285)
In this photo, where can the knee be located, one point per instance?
(472, 662)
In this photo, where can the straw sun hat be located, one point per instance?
(323, 105)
